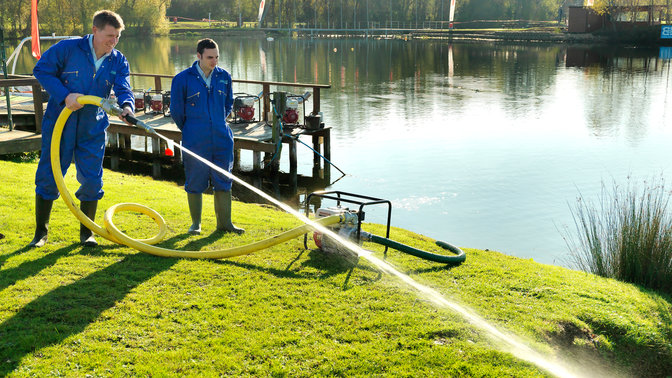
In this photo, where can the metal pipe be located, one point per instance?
(15, 54)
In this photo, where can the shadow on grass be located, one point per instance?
(32, 267)
(69, 309)
(6, 257)
(438, 268)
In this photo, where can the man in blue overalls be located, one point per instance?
(71, 68)
(201, 98)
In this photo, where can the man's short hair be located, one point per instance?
(205, 43)
(106, 17)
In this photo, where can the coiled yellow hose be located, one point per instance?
(112, 233)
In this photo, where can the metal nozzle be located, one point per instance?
(111, 107)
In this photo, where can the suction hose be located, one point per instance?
(112, 233)
(458, 257)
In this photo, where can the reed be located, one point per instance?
(626, 234)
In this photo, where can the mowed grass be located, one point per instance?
(286, 311)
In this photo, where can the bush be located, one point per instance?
(626, 235)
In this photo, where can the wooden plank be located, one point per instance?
(16, 141)
(37, 103)
(156, 158)
(113, 144)
(292, 165)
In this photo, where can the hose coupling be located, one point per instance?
(110, 106)
(349, 218)
(365, 236)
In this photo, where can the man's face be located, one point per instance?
(209, 58)
(106, 38)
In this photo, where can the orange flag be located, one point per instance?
(34, 30)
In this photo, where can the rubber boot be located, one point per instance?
(42, 213)
(86, 235)
(195, 207)
(223, 212)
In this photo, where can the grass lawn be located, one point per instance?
(286, 311)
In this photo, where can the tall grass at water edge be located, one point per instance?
(626, 234)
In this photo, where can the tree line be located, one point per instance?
(338, 13)
(73, 17)
(381, 13)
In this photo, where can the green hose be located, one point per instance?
(456, 259)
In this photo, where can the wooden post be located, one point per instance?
(316, 157)
(37, 104)
(236, 159)
(256, 161)
(157, 83)
(128, 152)
(293, 180)
(326, 147)
(316, 100)
(156, 158)
(267, 101)
(113, 141)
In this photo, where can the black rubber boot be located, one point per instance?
(223, 212)
(86, 235)
(42, 213)
(195, 208)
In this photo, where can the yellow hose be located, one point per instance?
(112, 233)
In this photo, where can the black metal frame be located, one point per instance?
(351, 198)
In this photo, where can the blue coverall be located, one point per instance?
(68, 67)
(200, 113)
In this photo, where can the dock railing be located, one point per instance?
(266, 90)
(24, 80)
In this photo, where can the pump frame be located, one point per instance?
(354, 199)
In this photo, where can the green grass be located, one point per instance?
(286, 311)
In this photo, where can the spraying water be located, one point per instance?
(512, 343)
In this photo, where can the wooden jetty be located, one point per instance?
(27, 112)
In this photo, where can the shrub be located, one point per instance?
(626, 235)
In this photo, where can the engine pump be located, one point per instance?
(157, 102)
(291, 116)
(243, 107)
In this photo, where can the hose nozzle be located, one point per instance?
(111, 107)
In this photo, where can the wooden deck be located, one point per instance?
(16, 141)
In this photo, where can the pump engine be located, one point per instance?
(243, 107)
(291, 116)
(157, 102)
(139, 99)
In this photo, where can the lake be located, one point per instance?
(483, 145)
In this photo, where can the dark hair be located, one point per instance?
(105, 17)
(205, 43)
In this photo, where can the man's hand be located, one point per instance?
(127, 111)
(71, 101)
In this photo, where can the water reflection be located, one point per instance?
(480, 144)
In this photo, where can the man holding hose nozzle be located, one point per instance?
(201, 99)
(71, 68)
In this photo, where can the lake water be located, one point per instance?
(483, 145)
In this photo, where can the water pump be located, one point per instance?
(243, 107)
(156, 102)
(291, 116)
(351, 229)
